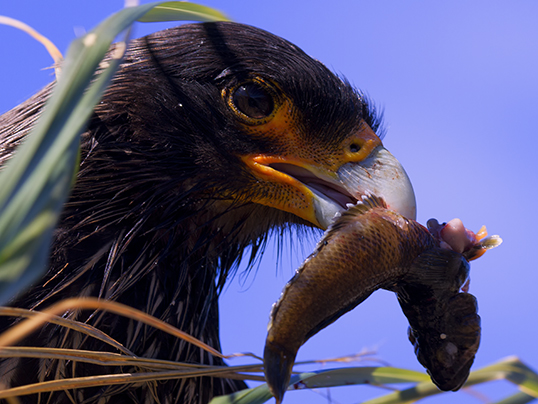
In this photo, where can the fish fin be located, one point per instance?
(373, 201)
(486, 243)
(367, 203)
(436, 272)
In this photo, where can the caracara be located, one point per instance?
(209, 137)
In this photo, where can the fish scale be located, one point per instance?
(369, 247)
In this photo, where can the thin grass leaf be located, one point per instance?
(511, 369)
(518, 398)
(77, 355)
(357, 375)
(173, 11)
(83, 328)
(118, 379)
(53, 51)
(36, 182)
(114, 359)
(327, 378)
(23, 328)
(256, 395)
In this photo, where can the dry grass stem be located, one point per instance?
(22, 329)
(53, 51)
(128, 378)
(154, 369)
(68, 323)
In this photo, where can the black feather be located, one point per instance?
(156, 218)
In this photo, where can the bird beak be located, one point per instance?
(302, 183)
(379, 174)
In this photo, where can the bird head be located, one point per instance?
(225, 119)
(323, 154)
(315, 148)
(264, 123)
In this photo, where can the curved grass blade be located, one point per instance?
(36, 182)
(20, 330)
(173, 11)
(518, 398)
(327, 378)
(511, 369)
(53, 51)
(102, 358)
(74, 325)
(125, 378)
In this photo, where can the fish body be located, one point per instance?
(369, 247)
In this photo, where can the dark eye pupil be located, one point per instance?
(253, 101)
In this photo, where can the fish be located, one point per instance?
(370, 247)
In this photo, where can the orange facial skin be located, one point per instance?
(293, 148)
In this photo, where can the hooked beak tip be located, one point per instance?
(382, 175)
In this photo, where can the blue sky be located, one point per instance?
(458, 82)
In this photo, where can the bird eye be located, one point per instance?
(253, 100)
(354, 148)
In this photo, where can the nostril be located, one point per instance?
(354, 148)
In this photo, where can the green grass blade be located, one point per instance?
(173, 11)
(257, 395)
(357, 375)
(518, 398)
(36, 181)
(328, 378)
(511, 369)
